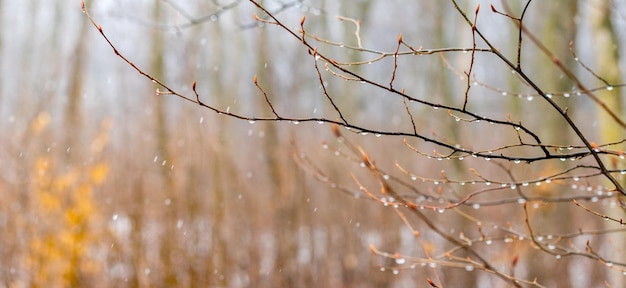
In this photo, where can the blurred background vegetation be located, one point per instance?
(105, 184)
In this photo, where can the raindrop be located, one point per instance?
(566, 95)
(432, 265)
(382, 269)
(400, 261)
(518, 128)
(395, 271)
(413, 177)
(213, 18)
(504, 93)
(530, 98)
(521, 200)
(461, 158)
(513, 186)
(440, 210)
(487, 183)
(487, 158)
(201, 120)
(386, 177)
(549, 95)
(378, 135)
(168, 201)
(295, 122)
(115, 216)
(551, 246)
(576, 178)
(557, 256)
(562, 159)
(251, 121)
(476, 206)
(517, 161)
(489, 242)
(609, 88)
(469, 268)
(508, 240)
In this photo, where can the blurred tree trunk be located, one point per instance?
(73, 111)
(168, 240)
(441, 84)
(607, 59)
(284, 226)
(557, 19)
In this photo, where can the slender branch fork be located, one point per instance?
(390, 186)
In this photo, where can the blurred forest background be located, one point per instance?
(105, 184)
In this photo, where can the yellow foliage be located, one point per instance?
(62, 233)
(99, 173)
(40, 122)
